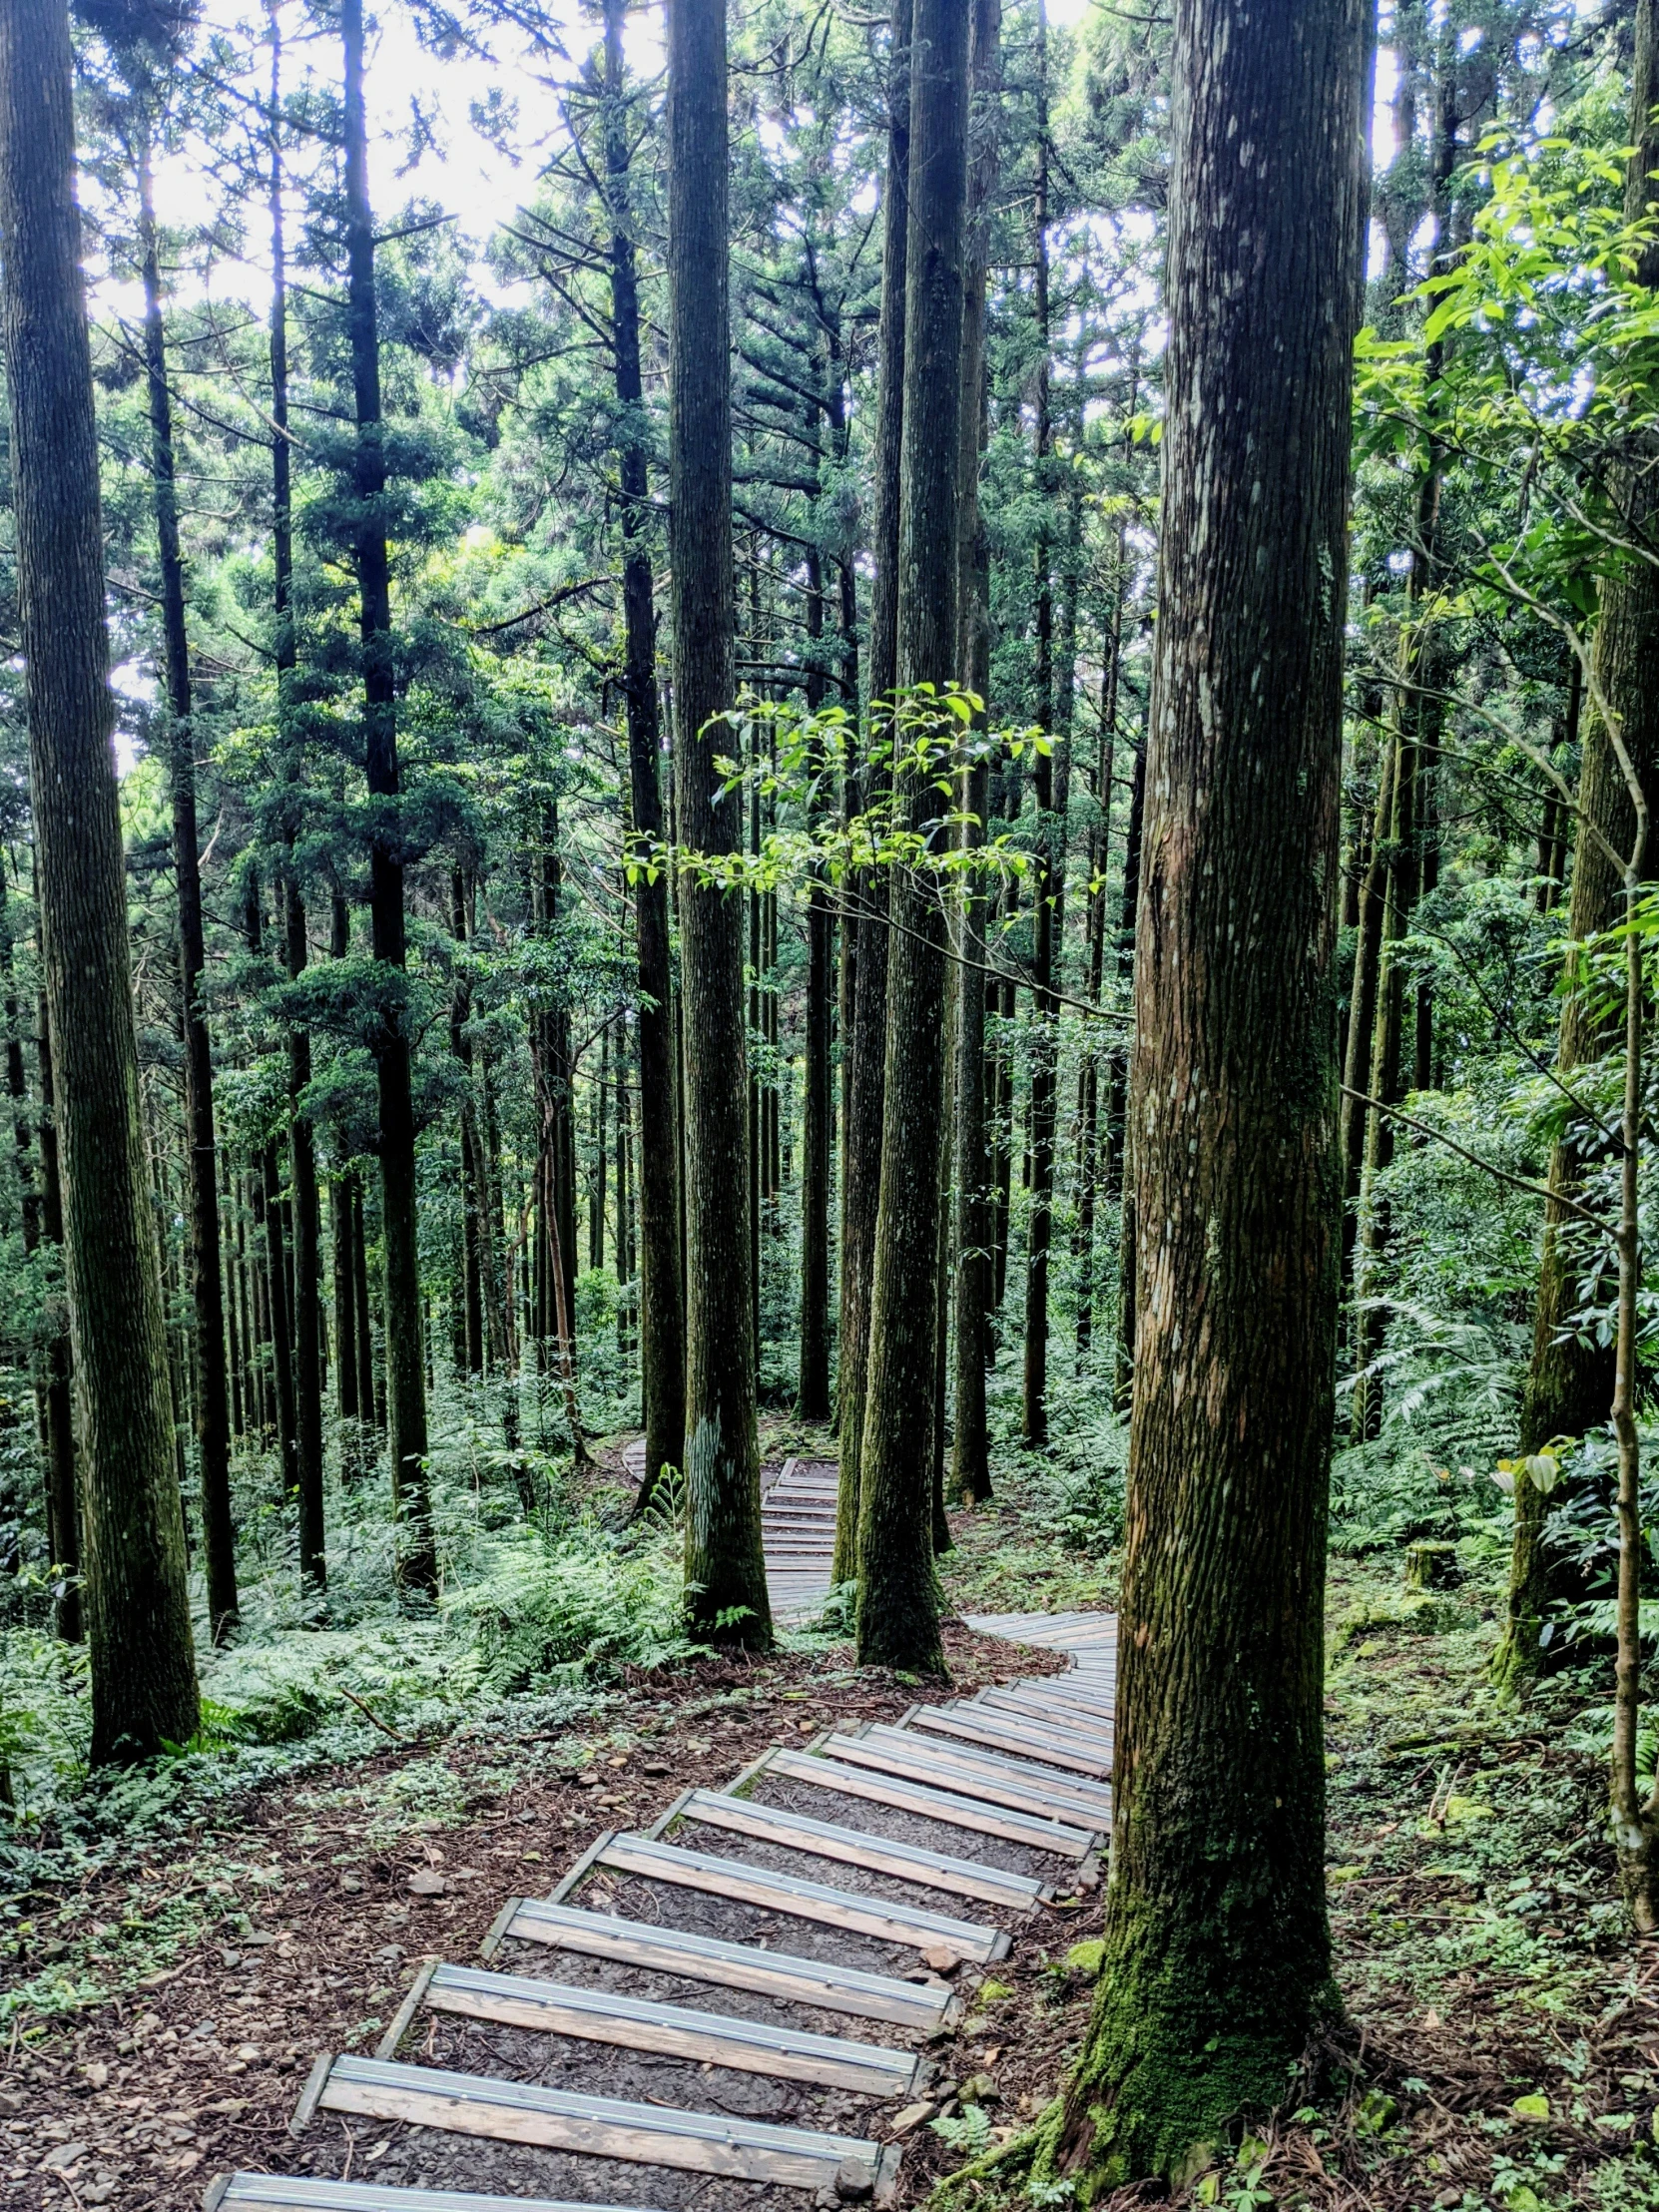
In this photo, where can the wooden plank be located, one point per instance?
(1060, 1710)
(308, 2095)
(1024, 1741)
(387, 2046)
(242, 2192)
(984, 1818)
(977, 1772)
(921, 2007)
(660, 1824)
(498, 1928)
(636, 2023)
(806, 1901)
(581, 1869)
(601, 2127)
(1057, 1730)
(855, 1847)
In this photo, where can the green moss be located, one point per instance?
(1159, 2079)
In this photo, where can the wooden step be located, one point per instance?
(826, 1772)
(602, 2127)
(1061, 1707)
(977, 1772)
(806, 1901)
(604, 2016)
(855, 1847)
(292, 2193)
(919, 2008)
(1025, 1741)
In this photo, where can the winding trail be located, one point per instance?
(736, 2004)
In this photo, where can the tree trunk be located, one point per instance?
(812, 1393)
(346, 1299)
(213, 1410)
(58, 1421)
(861, 1136)
(1088, 1164)
(971, 1473)
(898, 1588)
(1217, 1963)
(417, 1569)
(307, 1275)
(1570, 1381)
(1049, 831)
(368, 1410)
(726, 1586)
(307, 1220)
(662, 1310)
(144, 1690)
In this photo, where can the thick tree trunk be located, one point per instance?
(417, 1569)
(143, 1691)
(662, 1310)
(726, 1587)
(898, 1588)
(213, 1410)
(1217, 1963)
(970, 1441)
(861, 1137)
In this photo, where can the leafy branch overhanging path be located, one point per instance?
(736, 2004)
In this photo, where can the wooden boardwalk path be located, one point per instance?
(735, 2004)
(798, 1527)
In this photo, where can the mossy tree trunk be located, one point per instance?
(1217, 1947)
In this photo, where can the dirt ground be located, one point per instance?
(311, 1930)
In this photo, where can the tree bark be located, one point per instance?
(212, 1409)
(662, 1311)
(307, 1275)
(970, 1474)
(726, 1587)
(861, 1137)
(417, 1569)
(898, 1588)
(307, 1219)
(1217, 1963)
(58, 1421)
(144, 1690)
(1049, 831)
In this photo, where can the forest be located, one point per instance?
(828, 943)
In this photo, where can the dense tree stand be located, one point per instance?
(1569, 1383)
(1217, 1964)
